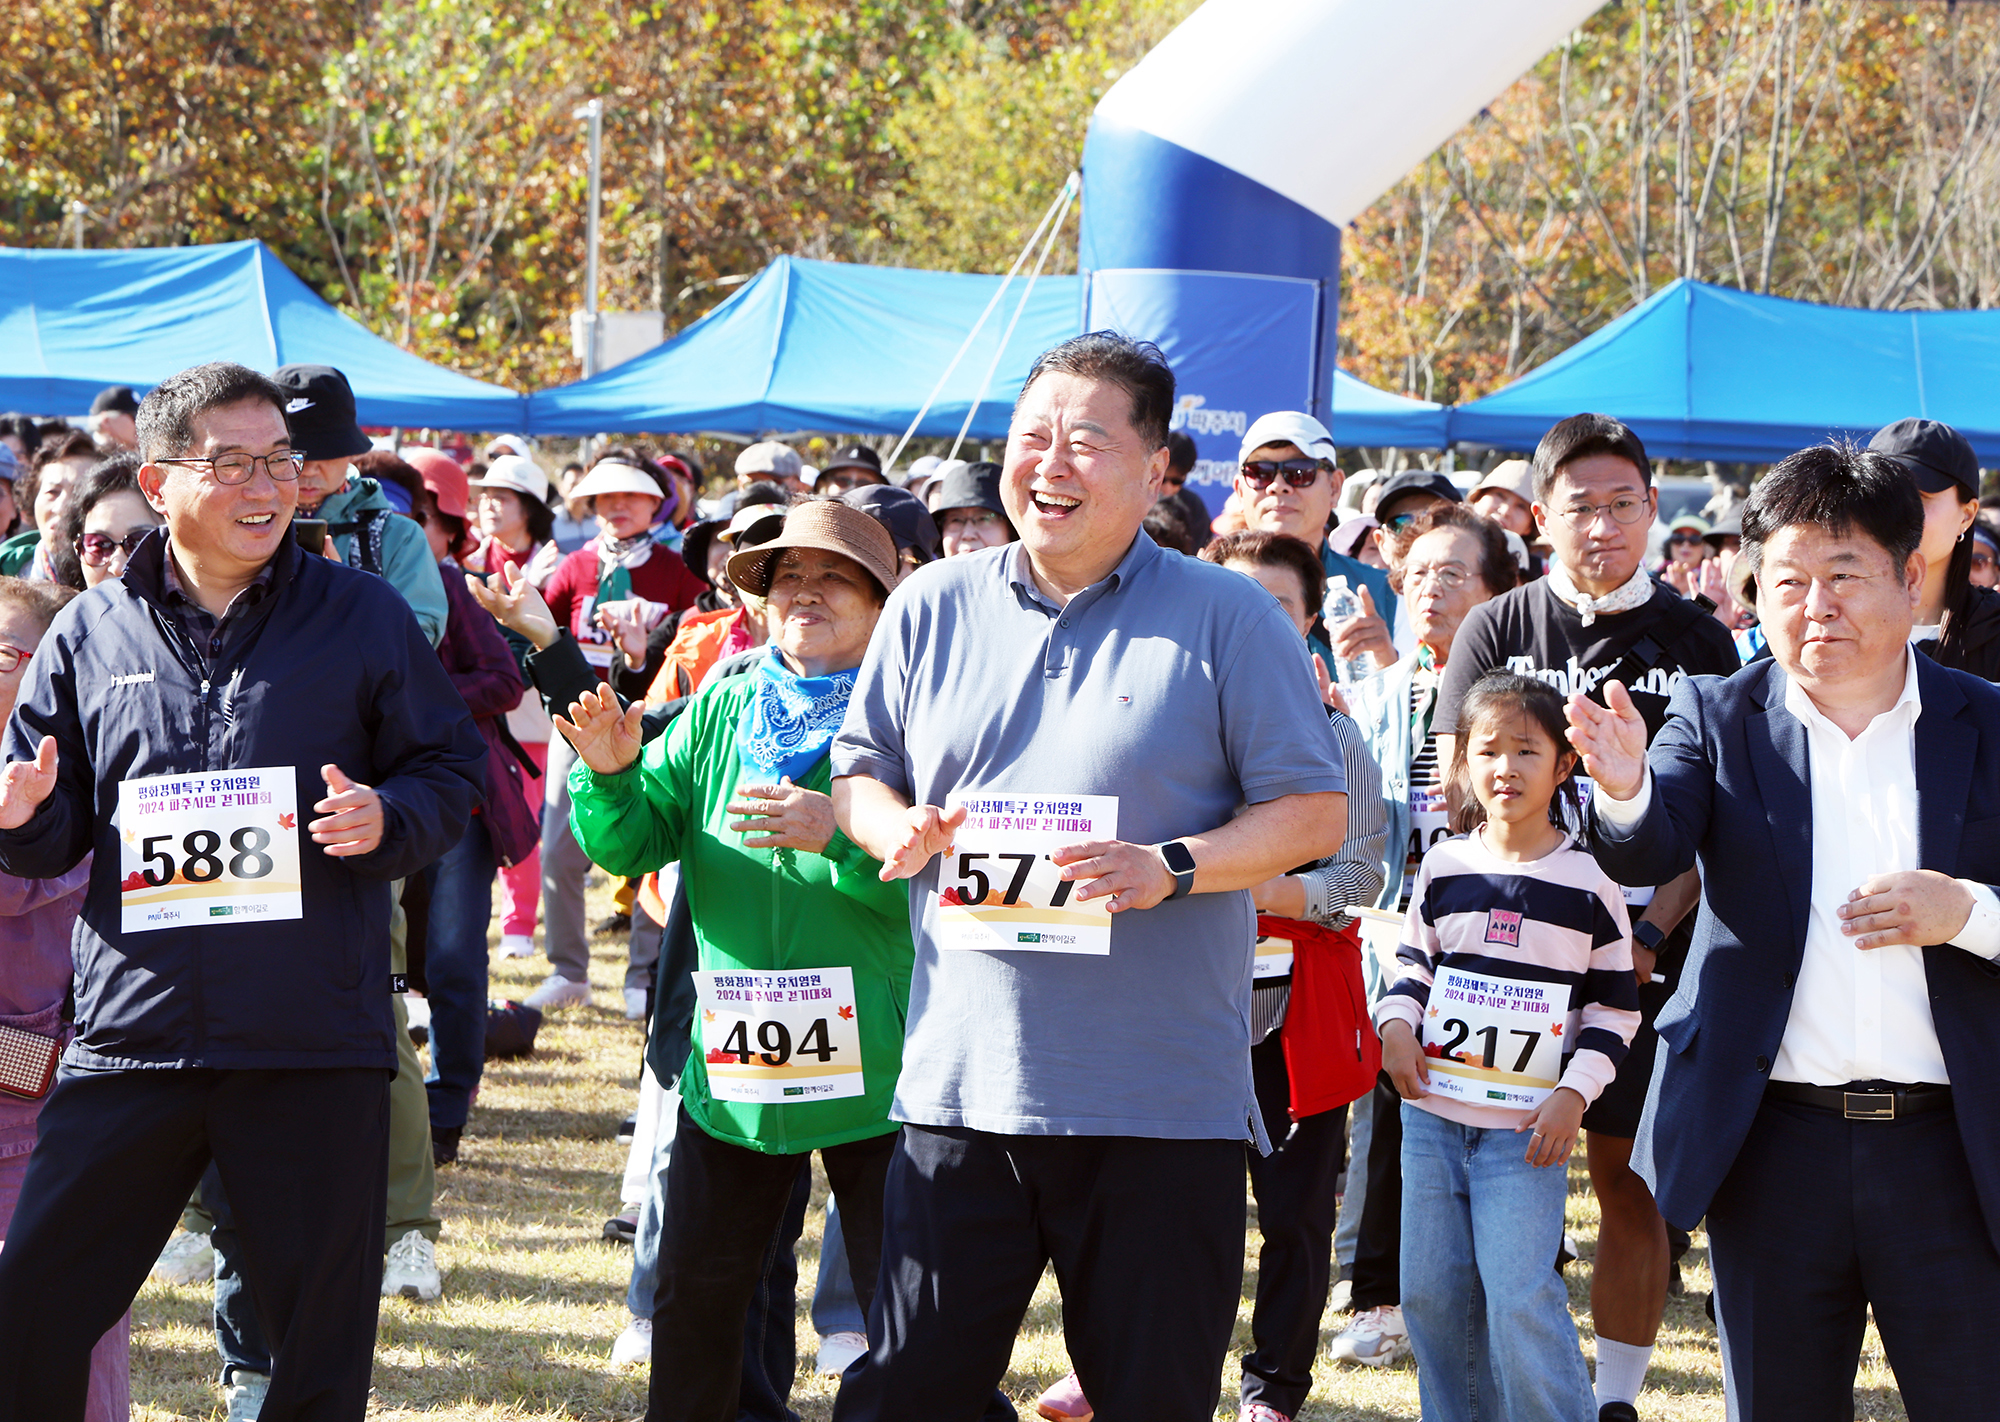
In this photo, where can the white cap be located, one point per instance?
(1288, 427)
(1516, 476)
(511, 471)
(1518, 546)
(512, 442)
(747, 518)
(921, 466)
(769, 457)
(614, 478)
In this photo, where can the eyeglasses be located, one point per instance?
(11, 657)
(980, 518)
(96, 548)
(1627, 510)
(1450, 578)
(1297, 473)
(237, 468)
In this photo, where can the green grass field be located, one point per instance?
(534, 1297)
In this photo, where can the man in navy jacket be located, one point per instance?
(1827, 1092)
(251, 742)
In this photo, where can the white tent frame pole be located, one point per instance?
(1061, 201)
(1028, 290)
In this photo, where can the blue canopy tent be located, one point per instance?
(1709, 372)
(73, 322)
(831, 346)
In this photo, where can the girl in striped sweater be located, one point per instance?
(1514, 1007)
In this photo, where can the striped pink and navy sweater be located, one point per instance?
(1556, 919)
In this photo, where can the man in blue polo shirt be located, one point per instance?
(1083, 751)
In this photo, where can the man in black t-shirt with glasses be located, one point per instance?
(1597, 615)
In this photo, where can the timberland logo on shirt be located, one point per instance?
(132, 679)
(1503, 926)
(1572, 680)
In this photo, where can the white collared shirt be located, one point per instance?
(1858, 1014)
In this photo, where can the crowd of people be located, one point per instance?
(1045, 850)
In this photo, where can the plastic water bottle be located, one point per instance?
(1342, 603)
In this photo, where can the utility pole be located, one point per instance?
(592, 113)
(78, 210)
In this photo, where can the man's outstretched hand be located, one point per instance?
(930, 832)
(1611, 739)
(24, 784)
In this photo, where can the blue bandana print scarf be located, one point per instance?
(792, 718)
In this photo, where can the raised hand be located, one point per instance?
(1611, 739)
(606, 738)
(1329, 690)
(930, 831)
(24, 784)
(351, 816)
(782, 816)
(517, 605)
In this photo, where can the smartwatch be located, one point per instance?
(1648, 935)
(1180, 863)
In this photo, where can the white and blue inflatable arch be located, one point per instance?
(1219, 171)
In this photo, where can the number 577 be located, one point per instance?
(1022, 864)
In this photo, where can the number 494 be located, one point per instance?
(776, 1040)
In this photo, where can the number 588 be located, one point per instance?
(201, 859)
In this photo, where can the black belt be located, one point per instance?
(1865, 1100)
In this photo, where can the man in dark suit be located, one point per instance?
(1828, 1094)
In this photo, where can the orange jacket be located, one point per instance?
(696, 647)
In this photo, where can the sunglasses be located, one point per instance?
(1297, 473)
(96, 548)
(1688, 537)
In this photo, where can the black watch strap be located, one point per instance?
(1180, 863)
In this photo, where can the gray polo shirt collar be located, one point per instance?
(1021, 576)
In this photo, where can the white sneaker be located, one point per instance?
(1375, 1338)
(557, 991)
(1342, 1297)
(635, 1004)
(836, 1351)
(517, 945)
(635, 1344)
(245, 1396)
(418, 1007)
(411, 1269)
(187, 1259)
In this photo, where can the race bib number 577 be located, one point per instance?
(216, 846)
(1000, 887)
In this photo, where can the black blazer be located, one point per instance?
(1732, 790)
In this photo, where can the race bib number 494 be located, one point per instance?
(216, 846)
(999, 888)
(779, 1037)
(1494, 1041)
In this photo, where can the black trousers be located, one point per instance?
(1147, 1241)
(724, 1205)
(305, 1156)
(1378, 1248)
(1297, 1189)
(1819, 1218)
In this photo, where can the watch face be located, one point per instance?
(1178, 857)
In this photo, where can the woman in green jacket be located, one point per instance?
(805, 953)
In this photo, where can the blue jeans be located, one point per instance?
(1488, 1314)
(455, 971)
(835, 1309)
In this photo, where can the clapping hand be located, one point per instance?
(606, 738)
(1611, 739)
(24, 784)
(351, 820)
(626, 623)
(783, 816)
(517, 605)
(929, 832)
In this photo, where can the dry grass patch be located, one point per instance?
(534, 1296)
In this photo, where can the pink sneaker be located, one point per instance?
(1064, 1402)
(1258, 1412)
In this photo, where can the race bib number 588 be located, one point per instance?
(217, 846)
(1000, 887)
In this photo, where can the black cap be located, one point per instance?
(855, 456)
(115, 397)
(976, 486)
(1730, 525)
(899, 511)
(1418, 481)
(1936, 455)
(319, 406)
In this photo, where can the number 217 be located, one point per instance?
(1460, 1030)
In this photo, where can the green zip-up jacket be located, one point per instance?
(759, 909)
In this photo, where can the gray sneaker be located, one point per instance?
(187, 1259)
(1374, 1339)
(246, 1396)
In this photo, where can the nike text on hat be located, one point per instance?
(1287, 427)
(319, 407)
